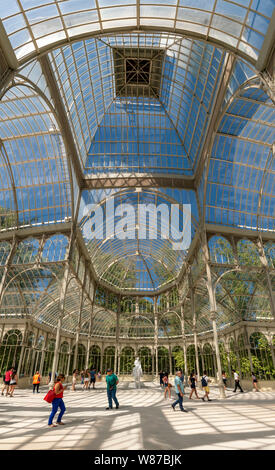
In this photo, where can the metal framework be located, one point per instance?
(145, 102)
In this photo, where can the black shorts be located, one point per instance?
(92, 380)
(7, 382)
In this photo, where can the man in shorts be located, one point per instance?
(92, 377)
(204, 382)
(7, 379)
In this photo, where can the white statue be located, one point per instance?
(137, 372)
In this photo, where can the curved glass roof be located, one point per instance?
(35, 25)
(135, 102)
(142, 262)
(35, 184)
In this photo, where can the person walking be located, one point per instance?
(75, 374)
(161, 375)
(224, 379)
(255, 382)
(58, 402)
(112, 381)
(192, 382)
(179, 388)
(7, 378)
(86, 379)
(204, 382)
(36, 381)
(237, 381)
(13, 382)
(50, 377)
(92, 377)
(167, 386)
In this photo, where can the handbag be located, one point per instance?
(50, 396)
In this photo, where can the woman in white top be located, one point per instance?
(75, 374)
(86, 379)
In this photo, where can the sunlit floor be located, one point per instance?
(144, 421)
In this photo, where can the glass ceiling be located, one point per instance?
(154, 128)
(158, 128)
(35, 25)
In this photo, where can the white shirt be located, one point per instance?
(236, 376)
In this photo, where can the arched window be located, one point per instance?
(145, 358)
(177, 359)
(55, 248)
(209, 360)
(26, 251)
(10, 350)
(4, 252)
(191, 358)
(248, 253)
(108, 359)
(95, 357)
(127, 358)
(269, 249)
(169, 325)
(262, 362)
(243, 355)
(163, 359)
(80, 358)
(233, 355)
(49, 355)
(224, 359)
(220, 250)
(63, 358)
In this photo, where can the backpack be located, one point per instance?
(203, 382)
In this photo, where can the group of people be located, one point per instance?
(179, 386)
(10, 380)
(88, 378)
(58, 403)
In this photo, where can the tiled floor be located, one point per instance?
(144, 421)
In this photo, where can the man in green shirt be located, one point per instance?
(112, 381)
(179, 389)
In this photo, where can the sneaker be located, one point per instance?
(108, 408)
(202, 398)
(185, 411)
(61, 423)
(209, 399)
(117, 407)
(173, 407)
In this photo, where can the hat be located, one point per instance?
(109, 370)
